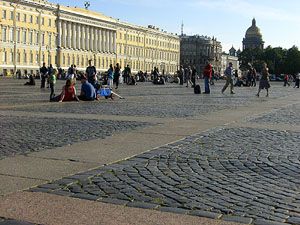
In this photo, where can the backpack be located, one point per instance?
(197, 89)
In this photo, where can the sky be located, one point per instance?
(227, 20)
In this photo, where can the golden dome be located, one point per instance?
(253, 31)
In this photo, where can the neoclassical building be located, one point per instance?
(195, 50)
(253, 37)
(36, 31)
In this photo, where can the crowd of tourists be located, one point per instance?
(92, 83)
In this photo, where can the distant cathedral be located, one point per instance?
(253, 37)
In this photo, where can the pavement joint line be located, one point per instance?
(31, 178)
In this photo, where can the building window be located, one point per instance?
(25, 57)
(24, 18)
(49, 39)
(30, 37)
(11, 57)
(69, 59)
(11, 34)
(64, 60)
(30, 19)
(4, 33)
(24, 36)
(18, 57)
(49, 22)
(43, 58)
(4, 57)
(18, 36)
(18, 16)
(43, 21)
(3, 14)
(43, 39)
(11, 15)
(37, 38)
(36, 20)
(37, 58)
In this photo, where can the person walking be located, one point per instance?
(207, 75)
(111, 77)
(91, 73)
(117, 75)
(297, 79)
(264, 81)
(229, 78)
(44, 74)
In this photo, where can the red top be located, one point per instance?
(69, 92)
(207, 71)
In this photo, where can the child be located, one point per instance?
(52, 83)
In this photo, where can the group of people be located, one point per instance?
(231, 76)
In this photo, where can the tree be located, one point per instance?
(292, 61)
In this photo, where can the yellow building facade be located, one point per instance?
(35, 31)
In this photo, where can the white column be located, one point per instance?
(69, 35)
(100, 39)
(59, 34)
(92, 39)
(78, 36)
(64, 34)
(87, 36)
(82, 37)
(104, 40)
(107, 41)
(74, 36)
(115, 42)
(111, 40)
(96, 40)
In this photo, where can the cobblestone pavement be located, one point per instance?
(288, 115)
(27, 134)
(128, 109)
(239, 174)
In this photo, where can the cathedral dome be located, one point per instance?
(253, 31)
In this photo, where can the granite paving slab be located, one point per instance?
(240, 174)
(20, 134)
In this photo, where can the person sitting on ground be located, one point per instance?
(31, 80)
(88, 92)
(132, 80)
(68, 93)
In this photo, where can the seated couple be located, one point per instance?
(69, 92)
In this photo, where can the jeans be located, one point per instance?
(52, 86)
(206, 84)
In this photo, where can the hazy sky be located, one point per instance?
(227, 20)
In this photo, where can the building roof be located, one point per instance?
(253, 31)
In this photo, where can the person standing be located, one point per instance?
(117, 75)
(189, 77)
(194, 75)
(207, 75)
(127, 72)
(91, 73)
(180, 75)
(111, 77)
(44, 73)
(229, 78)
(264, 81)
(52, 80)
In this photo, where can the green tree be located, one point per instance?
(292, 61)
